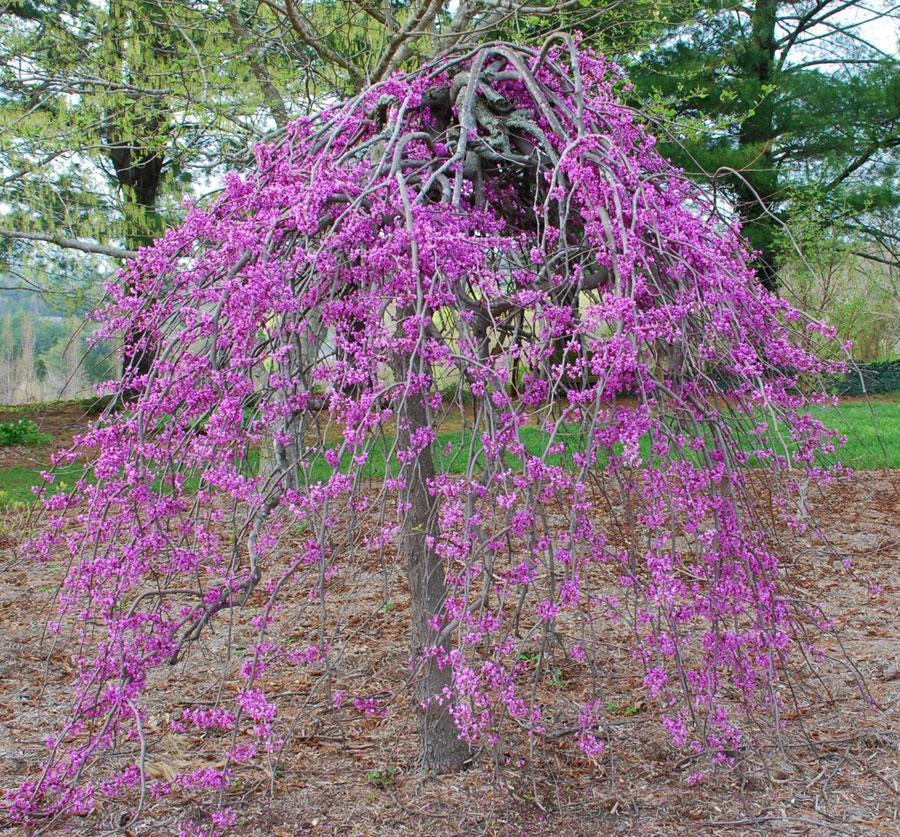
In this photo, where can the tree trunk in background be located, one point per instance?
(140, 176)
(440, 748)
(7, 353)
(75, 384)
(758, 191)
(132, 148)
(26, 375)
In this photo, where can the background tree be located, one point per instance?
(825, 273)
(114, 112)
(788, 100)
(155, 97)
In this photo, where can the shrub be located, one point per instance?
(22, 432)
(879, 378)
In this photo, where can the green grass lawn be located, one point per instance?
(16, 483)
(872, 430)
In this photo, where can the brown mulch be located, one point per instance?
(835, 770)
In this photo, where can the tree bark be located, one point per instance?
(758, 191)
(440, 748)
(132, 149)
(140, 180)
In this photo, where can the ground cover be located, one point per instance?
(832, 771)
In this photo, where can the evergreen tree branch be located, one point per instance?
(71, 243)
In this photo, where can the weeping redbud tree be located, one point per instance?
(473, 322)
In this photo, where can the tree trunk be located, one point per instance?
(758, 191)
(140, 179)
(132, 148)
(440, 748)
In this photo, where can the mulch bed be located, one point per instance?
(835, 770)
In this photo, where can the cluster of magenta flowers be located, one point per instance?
(500, 223)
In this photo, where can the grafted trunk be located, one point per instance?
(440, 749)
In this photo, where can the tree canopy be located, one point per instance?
(496, 226)
(115, 111)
